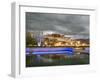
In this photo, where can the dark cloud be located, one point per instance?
(62, 23)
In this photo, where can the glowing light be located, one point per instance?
(49, 50)
(54, 52)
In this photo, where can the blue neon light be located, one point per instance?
(54, 52)
(49, 50)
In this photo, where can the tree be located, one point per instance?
(30, 41)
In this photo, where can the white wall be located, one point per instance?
(5, 39)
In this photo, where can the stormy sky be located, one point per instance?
(69, 24)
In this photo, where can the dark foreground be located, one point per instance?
(56, 60)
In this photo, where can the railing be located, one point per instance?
(55, 50)
(52, 50)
